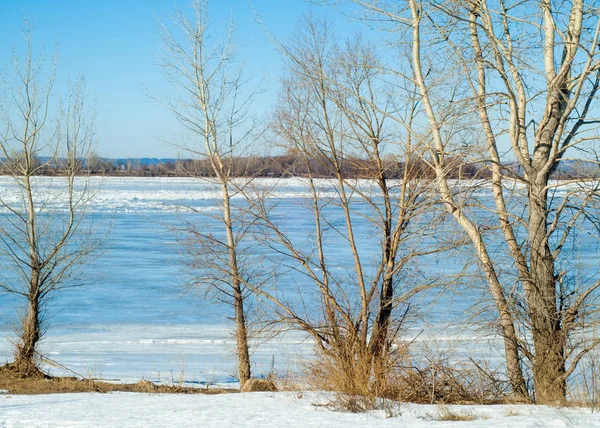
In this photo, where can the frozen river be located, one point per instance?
(134, 320)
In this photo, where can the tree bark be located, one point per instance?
(241, 334)
(241, 331)
(548, 339)
(30, 336)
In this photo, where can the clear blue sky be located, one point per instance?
(114, 45)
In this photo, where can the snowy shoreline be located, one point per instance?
(264, 410)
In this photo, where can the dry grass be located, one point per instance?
(443, 383)
(350, 374)
(145, 386)
(359, 385)
(15, 384)
(448, 415)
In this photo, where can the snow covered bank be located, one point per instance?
(191, 354)
(260, 410)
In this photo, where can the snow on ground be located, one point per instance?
(262, 410)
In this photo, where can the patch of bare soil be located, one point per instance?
(12, 383)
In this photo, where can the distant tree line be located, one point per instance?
(287, 165)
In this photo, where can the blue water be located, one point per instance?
(138, 277)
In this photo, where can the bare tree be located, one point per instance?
(361, 299)
(43, 237)
(528, 75)
(213, 107)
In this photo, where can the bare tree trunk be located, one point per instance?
(514, 370)
(31, 333)
(241, 335)
(25, 362)
(378, 342)
(218, 113)
(506, 321)
(379, 337)
(241, 331)
(548, 339)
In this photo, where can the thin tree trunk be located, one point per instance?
(241, 331)
(511, 349)
(31, 333)
(241, 334)
(379, 336)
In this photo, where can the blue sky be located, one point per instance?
(115, 44)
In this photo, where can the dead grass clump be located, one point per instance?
(258, 385)
(448, 415)
(360, 381)
(145, 386)
(350, 372)
(352, 403)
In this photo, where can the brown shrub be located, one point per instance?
(361, 383)
(145, 386)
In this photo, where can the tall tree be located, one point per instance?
(527, 73)
(43, 236)
(214, 97)
(332, 114)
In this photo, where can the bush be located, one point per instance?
(362, 383)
